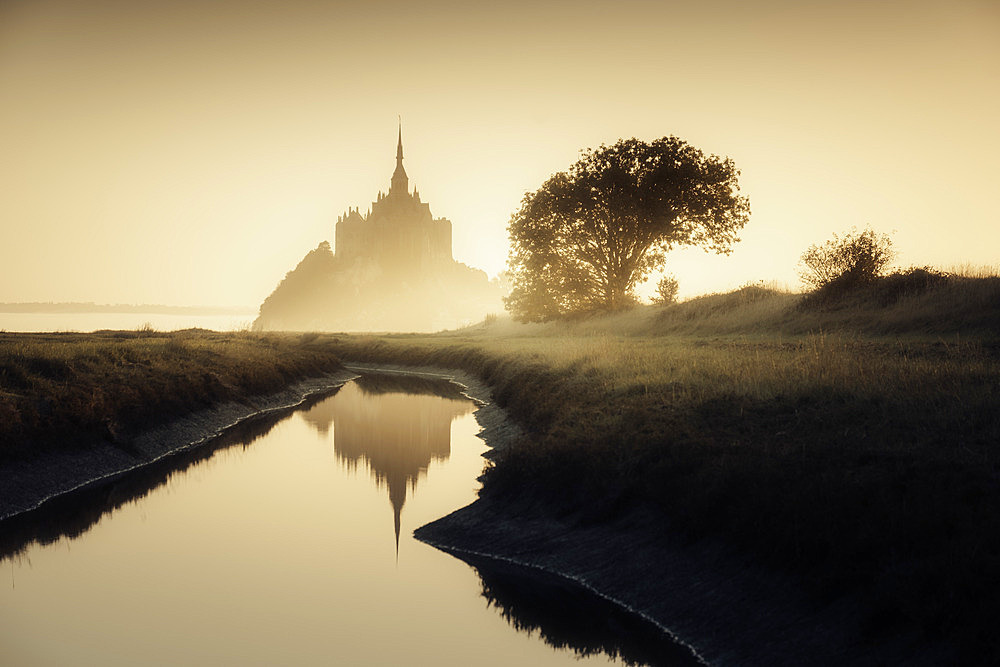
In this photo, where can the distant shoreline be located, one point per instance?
(148, 309)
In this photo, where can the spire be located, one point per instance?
(399, 146)
(399, 178)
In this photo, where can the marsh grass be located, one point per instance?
(60, 391)
(851, 441)
(860, 455)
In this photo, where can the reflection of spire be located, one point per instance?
(395, 429)
(397, 496)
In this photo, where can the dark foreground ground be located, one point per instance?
(848, 450)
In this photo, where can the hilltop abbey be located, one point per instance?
(392, 270)
(399, 233)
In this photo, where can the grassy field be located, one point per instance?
(862, 456)
(67, 390)
(851, 440)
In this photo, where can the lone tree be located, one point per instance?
(666, 291)
(584, 239)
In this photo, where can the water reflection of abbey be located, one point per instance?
(397, 436)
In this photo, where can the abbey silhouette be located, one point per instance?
(392, 270)
(399, 233)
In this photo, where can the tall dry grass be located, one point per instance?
(851, 440)
(75, 390)
(854, 444)
(914, 303)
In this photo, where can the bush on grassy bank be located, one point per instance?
(879, 291)
(856, 258)
(77, 390)
(910, 301)
(915, 303)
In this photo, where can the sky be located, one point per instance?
(192, 152)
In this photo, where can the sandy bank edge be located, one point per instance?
(704, 596)
(26, 486)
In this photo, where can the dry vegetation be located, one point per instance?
(850, 438)
(74, 390)
(861, 456)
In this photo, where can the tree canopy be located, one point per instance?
(589, 235)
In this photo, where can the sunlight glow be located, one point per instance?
(189, 154)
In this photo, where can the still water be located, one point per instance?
(292, 545)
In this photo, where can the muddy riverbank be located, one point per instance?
(26, 485)
(706, 596)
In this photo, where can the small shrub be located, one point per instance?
(879, 292)
(908, 282)
(666, 291)
(854, 259)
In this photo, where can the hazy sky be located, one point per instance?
(192, 152)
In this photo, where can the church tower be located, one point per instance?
(398, 234)
(400, 182)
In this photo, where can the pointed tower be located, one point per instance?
(400, 182)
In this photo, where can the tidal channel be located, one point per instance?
(289, 542)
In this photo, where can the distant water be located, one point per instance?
(88, 322)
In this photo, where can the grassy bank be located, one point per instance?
(72, 391)
(850, 440)
(863, 459)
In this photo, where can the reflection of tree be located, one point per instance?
(568, 616)
(397, 434)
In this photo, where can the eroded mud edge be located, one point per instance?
(27, 486)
